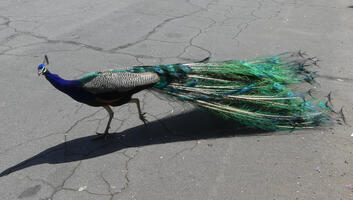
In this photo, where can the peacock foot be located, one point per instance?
(143, 118)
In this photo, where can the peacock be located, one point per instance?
(258, 93)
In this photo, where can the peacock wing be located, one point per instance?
(112, 81)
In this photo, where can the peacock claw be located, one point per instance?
(143, 118)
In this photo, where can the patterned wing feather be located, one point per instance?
(111, 81)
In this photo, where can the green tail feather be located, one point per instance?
(255, 92)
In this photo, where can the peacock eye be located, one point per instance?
(41, 66)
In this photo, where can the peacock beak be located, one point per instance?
(41, 71)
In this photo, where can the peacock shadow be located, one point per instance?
(194, 125)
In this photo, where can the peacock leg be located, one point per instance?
(105, 135)
(141, 114)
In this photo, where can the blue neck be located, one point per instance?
(66, 86)
(73, 88)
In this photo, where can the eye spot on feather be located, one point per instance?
(274, 60)
(158, 69)
(191, 83)
(278, 86)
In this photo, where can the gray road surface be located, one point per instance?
(181, 154)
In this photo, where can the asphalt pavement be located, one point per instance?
(46, 146)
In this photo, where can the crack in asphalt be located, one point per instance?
(6, 20)
(79, 108)
(242, 28)
(111, 194)
(122, 123)
(114, 50)
(95, 48)
(60, 187)
(277, 12)
(63, 188)
(166, 41)
(185, 149)
(80, 120)
(154, 30)
(139, 56)
(246, 24)
(126, 177)
(44, 182)
(54, 149)
(191, 44)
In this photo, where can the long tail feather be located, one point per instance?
(257, 93)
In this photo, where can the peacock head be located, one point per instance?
(42, 67)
